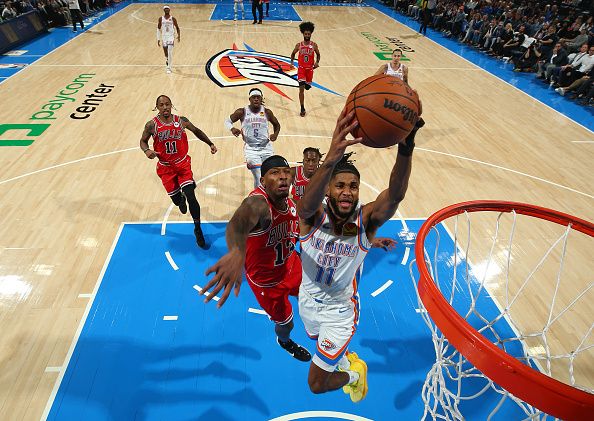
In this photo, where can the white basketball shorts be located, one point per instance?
(332, 325)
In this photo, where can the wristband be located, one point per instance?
(406, 148)
(228, 123)
(158, 34)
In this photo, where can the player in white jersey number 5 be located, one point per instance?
(166, 35)
(254, 130)
(335, 238)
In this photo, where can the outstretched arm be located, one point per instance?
(199, 134)
(311, 203)
(275, 124)
(376, 213)
(146, 135)
(228, 270)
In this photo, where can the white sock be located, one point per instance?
(344, 363)
(353, 376)
(257, 174)
(169, 56)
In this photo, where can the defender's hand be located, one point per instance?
(228, 272)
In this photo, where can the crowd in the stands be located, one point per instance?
(553, 40)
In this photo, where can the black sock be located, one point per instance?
(193, 204)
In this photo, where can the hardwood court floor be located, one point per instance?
(64, 196)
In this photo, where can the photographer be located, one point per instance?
(528, 60)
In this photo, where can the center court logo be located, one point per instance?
(240, 68)
(235, 67)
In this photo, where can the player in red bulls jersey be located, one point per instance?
(261, 237)
(302, 173)
(170, 146)
(306, 64)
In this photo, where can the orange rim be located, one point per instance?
(539, 390)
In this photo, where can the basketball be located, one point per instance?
(386, 108)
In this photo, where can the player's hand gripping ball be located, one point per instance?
(386, 108)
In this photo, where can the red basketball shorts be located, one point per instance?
(305, 74)
(275, 300)
(176, 176)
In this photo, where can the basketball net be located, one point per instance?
(511, 331)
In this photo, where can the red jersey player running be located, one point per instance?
(170, 145)
(261, 236)
(306, 63)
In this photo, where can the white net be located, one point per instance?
(525, 284)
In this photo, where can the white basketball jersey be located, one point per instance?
(255, 128)
(399, 72)
(167, 28)
(332, 263)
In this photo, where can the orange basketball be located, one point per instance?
(386, 108)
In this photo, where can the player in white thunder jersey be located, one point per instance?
(166, 35)
(397, 69)
(394, 67)
(335, 237)
(254, 131)
(236, 4)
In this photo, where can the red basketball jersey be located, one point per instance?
(306, 54)
(299, 183)
(270, 252)
(170, 140)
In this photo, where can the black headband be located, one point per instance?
(273, 162)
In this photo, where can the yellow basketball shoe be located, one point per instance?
(351, 357)
(359, 388)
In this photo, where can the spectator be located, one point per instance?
(582, 64)
(577, 84)
(548, 41)
(574, 44)
(506, 36)
(9, 11)
(491, 34)
(558, 58)
(75, 14)
(528, 59)
(585, 93)
(513, 46)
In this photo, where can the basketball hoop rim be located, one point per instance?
(541, 391)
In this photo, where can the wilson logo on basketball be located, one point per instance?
(233, 67)
(408, 114)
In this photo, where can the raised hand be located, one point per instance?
(345, 124)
